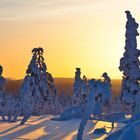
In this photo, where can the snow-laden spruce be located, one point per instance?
(130, 90)
(77, 86)
(78, 106)
(38, 90)
(129, 64)
(81, 91)
(6, 104)
(2, 83)
(99, 95)
(2, 94)
(11, 107)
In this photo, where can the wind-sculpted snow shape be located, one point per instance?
(107, 81)
(102, 97)
(90, 107)
(98, 94)
(72, 112)
(105, 88)
(77, 109)
(129, 64)
(38, 90)
(78, 84)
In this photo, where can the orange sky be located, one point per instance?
(74, 33)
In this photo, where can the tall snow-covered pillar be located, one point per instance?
(129, 63)
(78, 83)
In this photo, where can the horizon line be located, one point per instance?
(16, 79)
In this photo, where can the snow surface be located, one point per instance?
(42, 128)
(132, 132)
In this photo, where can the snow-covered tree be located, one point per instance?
(98, 95)
(90, 107)
(38, 88)
(6, 101)
(2, 82)
(78, 84)
(107, 87)
(2, 94)
(129, 63)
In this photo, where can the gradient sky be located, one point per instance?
(74, 33)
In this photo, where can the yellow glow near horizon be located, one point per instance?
(74, 33)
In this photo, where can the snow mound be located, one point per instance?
(132, 132)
